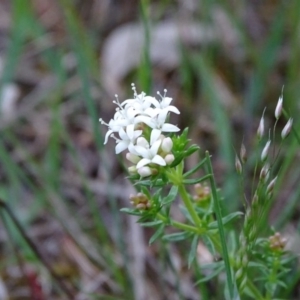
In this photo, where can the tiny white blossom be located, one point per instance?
(158, 122)
(149, 155)
(127, 137)
(122, 118)
(164, 104)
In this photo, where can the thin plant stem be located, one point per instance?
(180, 225)
(189, 206)
(14, 248)
(33, 247)
(217, 209)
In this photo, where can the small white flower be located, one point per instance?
(122, 118)
(149, 155)
(127, 137)
(158, 122)
(164, 104)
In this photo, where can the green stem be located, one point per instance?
(180, 225)
(217, 209)
(189, 206)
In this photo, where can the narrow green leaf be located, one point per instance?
(151, 224)
(212, 275)
(176, 237)
(193, 250)
(158, 233)
(195, 169)
(213, 265)
(171, 196)
(209, 244)
(197, 180)
(130, 211)
(217, 209)
(191, 150)
(225, 220)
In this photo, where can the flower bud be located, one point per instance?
(271, 185)
(132, 170)
(144, 171)
(167, 145)
(261, 127)
(264, 173)
(278, 109)
(277, 242)
(287, 129)
(133, 158)
(243, 154)
(265, 151)
(238, 165)
(169, 159)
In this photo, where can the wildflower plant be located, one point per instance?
(157, 153)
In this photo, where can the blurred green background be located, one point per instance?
(61, 64)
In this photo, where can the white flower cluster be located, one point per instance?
(140, 123)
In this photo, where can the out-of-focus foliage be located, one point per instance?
(61, 63)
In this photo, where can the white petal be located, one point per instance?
(108, 133)
(158, 160)
(155, 134)
(151, 112)
(167, 127)
(136, 134)
(131, 149)
(123, 134)
(162, 116)
(144, 119)
(154, 148)
(142, 142)
(130, 130)
(145, 153)
(173, 109)
(121, 146)
(143, 162)
(153, 101)
(166, 102)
